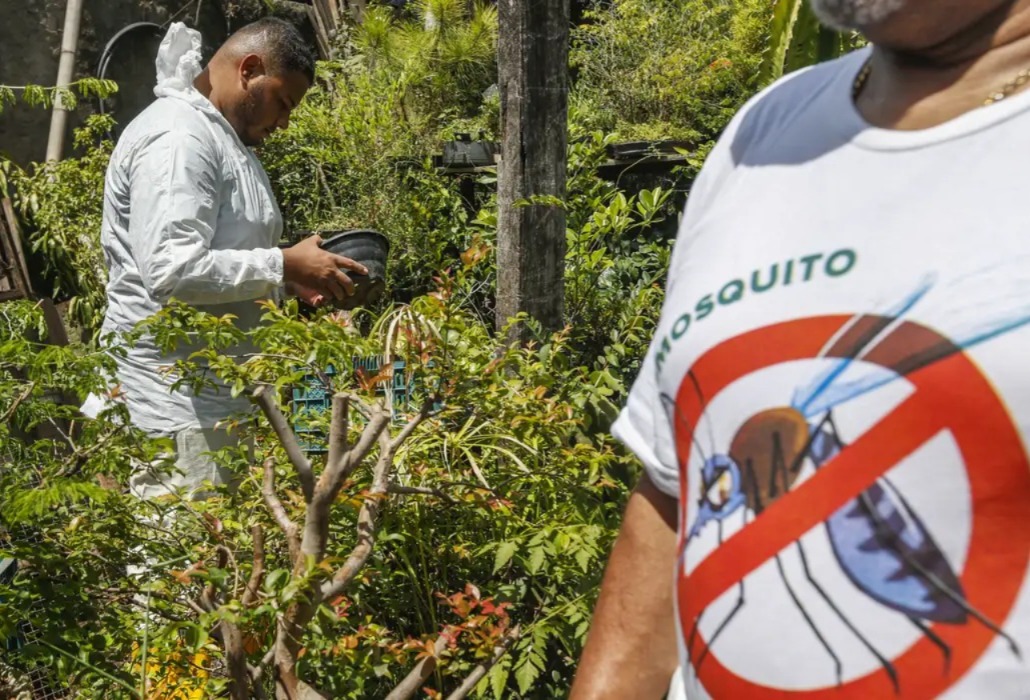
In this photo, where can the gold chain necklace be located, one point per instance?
(1021, 79)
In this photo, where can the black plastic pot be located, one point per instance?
(642, 149)
(371, 249)
(469, 153)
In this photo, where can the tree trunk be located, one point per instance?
(532, 55)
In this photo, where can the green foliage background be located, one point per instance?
(668, 69)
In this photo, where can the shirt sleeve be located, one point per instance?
(645, 425)
(642, 429)
(175, 185)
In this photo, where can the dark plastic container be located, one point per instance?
(371, 249)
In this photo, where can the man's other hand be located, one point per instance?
(306, 294)
(306, 265)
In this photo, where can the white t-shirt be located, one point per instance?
(838, 394)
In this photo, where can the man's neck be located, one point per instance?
(203, 83)
(910, 90)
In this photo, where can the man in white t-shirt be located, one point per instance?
(836, 403)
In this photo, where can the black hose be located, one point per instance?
(105, 57)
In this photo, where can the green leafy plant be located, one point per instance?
(667, 69)
(444, 56)
(477, 542)
(61, 207)
(797, 39)
(46, 97)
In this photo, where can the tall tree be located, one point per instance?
(532, 53)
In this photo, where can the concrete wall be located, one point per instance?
(30, 42)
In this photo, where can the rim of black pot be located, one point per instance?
(333, 237)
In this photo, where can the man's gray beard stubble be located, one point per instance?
(854, 14)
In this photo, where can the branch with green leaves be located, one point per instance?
(67, 96)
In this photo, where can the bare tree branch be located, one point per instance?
(209, 596)
(367, 519)
(361, 408)
(369, 514)
(288, 527)
(478, 673)
(255, 683)
(337, 472)
(315, 536)
(262, 396)
(257, 671)
(338, 428)
(418, 675)
(419, 491)
(235, 568)
(412, 425)
(78, 459)
(250, 594)
(316, 523)
(18, 400)
(236, 660)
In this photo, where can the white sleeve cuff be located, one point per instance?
(277, 267)
(627, 433)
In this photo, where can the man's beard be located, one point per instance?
(855, 14)
(246, 114)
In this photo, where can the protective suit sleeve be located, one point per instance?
(175, 186)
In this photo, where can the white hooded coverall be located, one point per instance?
(189, 214)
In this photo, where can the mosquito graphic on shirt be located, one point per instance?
(878, 539)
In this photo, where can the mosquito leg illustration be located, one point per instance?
(887, 538)
(778, 477)
(701, 398)
(935, 638)
(697, 620)
(751, 488)
(722, 625)
(808, 619)
(887, 666)
(833, 429)
(693, 634)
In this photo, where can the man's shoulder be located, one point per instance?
(789, 123)
(165, 118)
(796, 115)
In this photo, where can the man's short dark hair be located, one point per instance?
(280, 43)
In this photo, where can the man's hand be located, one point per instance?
(631, 650)
(305, 265)
(305, 294)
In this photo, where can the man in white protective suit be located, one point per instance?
(189, 214)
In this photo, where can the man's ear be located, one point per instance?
(251, 67)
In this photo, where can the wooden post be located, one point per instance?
(321, 35)
(532, 54)
(65, 71)
(12, 257)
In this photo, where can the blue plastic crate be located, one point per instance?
(313, 398)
